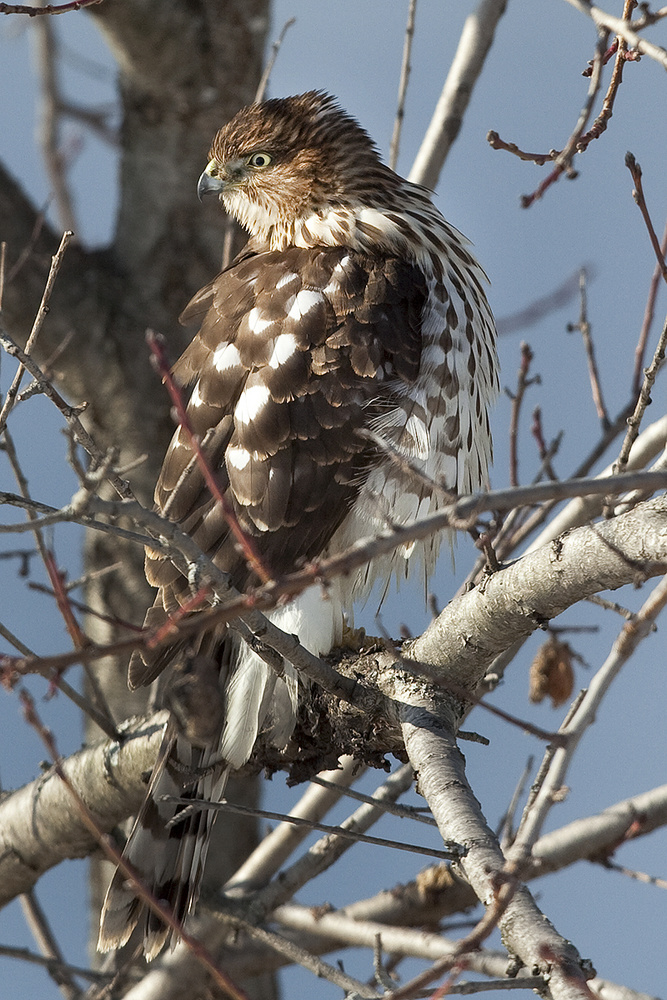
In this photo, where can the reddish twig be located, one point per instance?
(562, 159)
(619, 48)
(291, 585)
(647, 322)
(638, 195)
(495, 142)
(56, 576)
(171, 626)
(114, 855)
(613, 48)
(248, 547)
(584, 328)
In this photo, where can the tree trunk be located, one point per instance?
(184, 70)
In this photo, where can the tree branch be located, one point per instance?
(476, 40)
(39, 828)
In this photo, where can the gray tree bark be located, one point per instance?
(184, 69)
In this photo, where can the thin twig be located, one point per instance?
(620, 48)
(299, 956)
(495, 142)
(659, 883)
(271, 61)
(46, 941)
(48, 131)
(546, 452)
(70, 413)
(584, 328)
(625, 645)
(405, 812)
(54, 967)
(647, 321)
(273, 850)
(403, 85)
(327, 850)
(463, 510)
(638, 195)
(56, 263)
(634, 422)
(194, 805)
(3, 269)
(563, 160)
(621, 27)
(523, 382)
(505, 828)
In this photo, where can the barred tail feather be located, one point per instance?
(168, 857)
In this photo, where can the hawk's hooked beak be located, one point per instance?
(208, 184)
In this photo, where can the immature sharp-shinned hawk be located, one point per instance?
(354, 305)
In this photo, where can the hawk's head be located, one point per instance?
(289, 159)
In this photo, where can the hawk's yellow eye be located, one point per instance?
(259, 160)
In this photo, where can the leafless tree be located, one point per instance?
(75, 321)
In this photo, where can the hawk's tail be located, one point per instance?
(166, 854)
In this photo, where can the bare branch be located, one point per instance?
(622, 28)
(49, 8)
(427, 726)
(476, 40)
(53, 153)
(403, 85)
(56, 262)
(46, 941)
(644, 399)
(271, 61)
(453, 853)
(638, 195)
(271, 853)
(38, 827)
(648, 318)
(584, 328)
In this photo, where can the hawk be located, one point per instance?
(353, 307)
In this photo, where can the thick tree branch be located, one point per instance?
(492, 617)
(429, 732)
(39, 827)
(476, 40)
(605, 556)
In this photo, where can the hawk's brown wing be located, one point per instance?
(297, 351)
